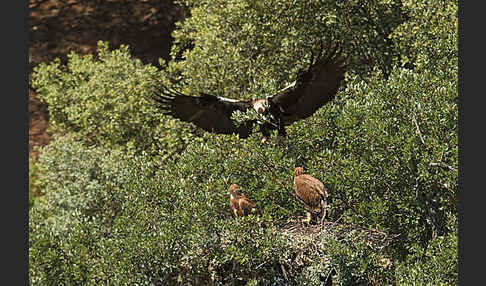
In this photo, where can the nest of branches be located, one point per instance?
(310, 251)
(374, 238)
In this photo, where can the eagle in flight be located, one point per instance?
(313, 87)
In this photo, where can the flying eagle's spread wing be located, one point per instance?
(209, 112)
(311, 191)
(313, 88)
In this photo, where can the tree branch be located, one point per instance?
(418, 129)
(443, 165)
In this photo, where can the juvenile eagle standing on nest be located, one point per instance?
(312, 89)
(311, 193)
(240, 205)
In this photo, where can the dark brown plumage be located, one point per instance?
(311, 193)
(313, 88)
(239, 204)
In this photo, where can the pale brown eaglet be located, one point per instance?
(311, 193)
(240, 205)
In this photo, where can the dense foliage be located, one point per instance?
(250, 48)
(104, 101)
(131, 196)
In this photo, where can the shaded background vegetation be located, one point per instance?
(125, 195)
(58, 27)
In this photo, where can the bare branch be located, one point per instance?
(418, 129)
(443, 165)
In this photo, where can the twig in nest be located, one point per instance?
(333, 270)
(336, 221)
(283, 271)
(260, 265)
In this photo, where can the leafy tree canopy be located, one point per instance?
(132, 196)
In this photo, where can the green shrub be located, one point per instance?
(103, 101)
(244, 48)
(108, 218)
(435, 265)
(392, 156)
(34, 189)
(84, 192)
(429, 39)
(386, 149)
